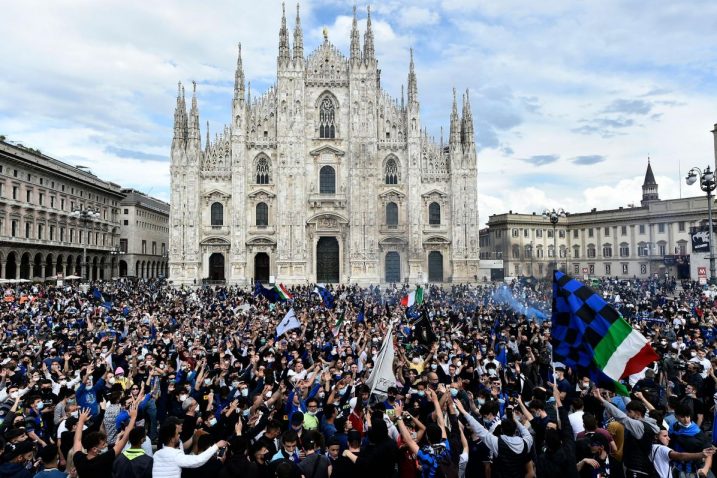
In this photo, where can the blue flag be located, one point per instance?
(326, 296)
(270, 294)
(96, 293)
(361, 315)
(502, 356)
(589, 336)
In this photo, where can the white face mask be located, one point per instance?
(212, 421)
(111, 380)
(183, 398)
(197, 409)
(207, 381)
(14, 395)
(245, 392)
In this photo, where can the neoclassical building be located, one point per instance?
(653, 238)
(41, 235)
(324, 177)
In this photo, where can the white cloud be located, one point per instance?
(566, 79)
(411, 17)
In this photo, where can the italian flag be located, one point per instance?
(282, 291)
(337, 326)
(413, 298)
(622, 352)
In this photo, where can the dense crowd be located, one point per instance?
(140, 379)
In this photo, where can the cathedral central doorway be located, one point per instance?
(327, 260)
(216, 266)
(393, 267)
(435, 267)
(261, 267)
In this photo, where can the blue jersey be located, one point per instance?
(430, 456)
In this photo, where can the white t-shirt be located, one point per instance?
(661, 459)
(576, 421)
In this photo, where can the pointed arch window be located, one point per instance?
(327, 115)
(391, 171)
(392, 214)
(327, 180)
(263, 171)
(434, 214)
(217, 213)
(262, 214)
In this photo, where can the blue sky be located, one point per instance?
(569, 98)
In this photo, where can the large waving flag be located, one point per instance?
(382, 375)
(282, 292)
(325, 295)
(413, 298)
(423, 330)
(289, 322)
(270, 294)
(339, 322)
(588, 333)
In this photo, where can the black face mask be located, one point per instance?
(391, 398)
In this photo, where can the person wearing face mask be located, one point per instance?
(37, 428)
(98, 460)
(694, 404)
(17, 460)
(390, 401)
(171, 459)
(311, 421)
(640, 432)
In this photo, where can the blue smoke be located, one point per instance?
(503, 295)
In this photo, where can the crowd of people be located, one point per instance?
(139, 379)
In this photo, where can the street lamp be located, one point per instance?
(554, 216)
(116, 251)
(85, 215)
(707, 184)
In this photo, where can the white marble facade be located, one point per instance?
(324, 177)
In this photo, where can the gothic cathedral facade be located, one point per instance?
(323, 178)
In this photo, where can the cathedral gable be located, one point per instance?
(327, 66)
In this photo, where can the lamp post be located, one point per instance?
(707, 184)
(554, 216)
(85, 216)
(116, 251)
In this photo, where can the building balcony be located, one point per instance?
(392, 229)
(435, 229)
(327, 200)
(262, 230)
(216, 230)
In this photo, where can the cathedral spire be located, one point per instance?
(455, 134)
(369, 54)
(412, 84)
(239, 78)
(355, 40)
(284, 53)
(180, 118)
(206, 146)
(193, 136)
(298, 37)
(467, 120)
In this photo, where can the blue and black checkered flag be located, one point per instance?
(589, 336)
